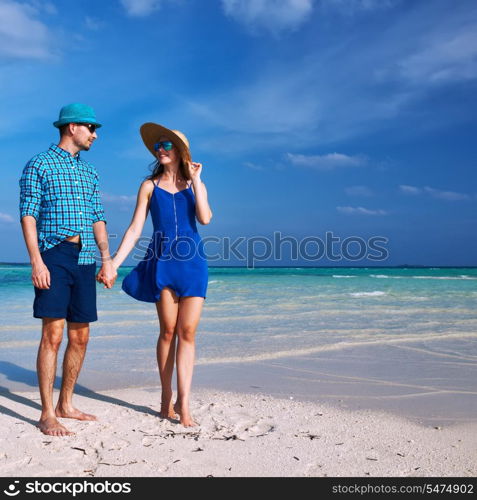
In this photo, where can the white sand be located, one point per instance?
(239, 435)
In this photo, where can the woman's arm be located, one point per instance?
(107, 274)
(136, 226)
(202, 208)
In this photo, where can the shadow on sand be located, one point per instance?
(19, 374)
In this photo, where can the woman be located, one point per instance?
(173, 273)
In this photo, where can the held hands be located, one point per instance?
(107, 274)
(194, 169)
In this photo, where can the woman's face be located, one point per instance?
(165, 157)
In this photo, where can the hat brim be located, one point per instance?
(151, 132)
(60, 123)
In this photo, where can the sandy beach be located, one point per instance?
(239, 435)
(334, 372)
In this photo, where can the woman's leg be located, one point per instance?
(190, 309)
(167, 310)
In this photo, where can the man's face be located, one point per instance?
(83, 135)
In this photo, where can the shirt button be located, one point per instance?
(76, 182)
(81, 228)
(78, 197)
(81, 213)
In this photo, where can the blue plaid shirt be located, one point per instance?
(61, 192)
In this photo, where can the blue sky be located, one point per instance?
(355, 117)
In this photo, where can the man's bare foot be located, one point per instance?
(74, 413)
(51, 427)
(185, 416)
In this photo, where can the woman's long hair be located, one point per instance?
(157, 169)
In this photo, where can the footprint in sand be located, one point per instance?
(258, 428)
(313, 470)
(147, 441)
(219, 422)
(115, 444)
(242, 426)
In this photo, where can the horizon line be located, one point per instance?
(305, 267)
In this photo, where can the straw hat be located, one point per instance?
(151, 132)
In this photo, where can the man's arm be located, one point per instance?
(40, 274)
(30, 201)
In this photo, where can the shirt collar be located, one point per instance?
(61, 152)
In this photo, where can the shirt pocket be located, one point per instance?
(58, 185)
(88, 187)
(85, 184)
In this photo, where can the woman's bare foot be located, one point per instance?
(51, 427)
(185, 416)
(167, 411)
(186, 421)
(74, 413)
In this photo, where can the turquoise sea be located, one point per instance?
(390, 338)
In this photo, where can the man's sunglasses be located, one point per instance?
(90, 126)
(166, 145)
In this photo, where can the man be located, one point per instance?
(62, 216)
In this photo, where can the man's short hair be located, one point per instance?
(62, 129)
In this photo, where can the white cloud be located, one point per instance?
(409, 189)
(6, 218)
(435, 193)
(140, 8)
(439, 46)
(360, 211)
(21, 35)
(353, 6)
(117, 198)
(345, 89)
(329, 93)
(273, 15)
(119, 202)
(359, 191)
(446, 195)
(50, 8)
(253, 166)
(451, 57)
(47, 7)
(93, 24)
(276, 104)
(326, 162)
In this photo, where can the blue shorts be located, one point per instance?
(72, 292)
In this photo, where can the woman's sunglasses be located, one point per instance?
(166, 145)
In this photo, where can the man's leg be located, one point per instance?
(78, 335)
(52, 334)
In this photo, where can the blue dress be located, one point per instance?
(175, 257)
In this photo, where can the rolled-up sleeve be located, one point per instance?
(98, 210)
(30, 191)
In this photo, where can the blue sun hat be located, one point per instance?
(76, 113)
